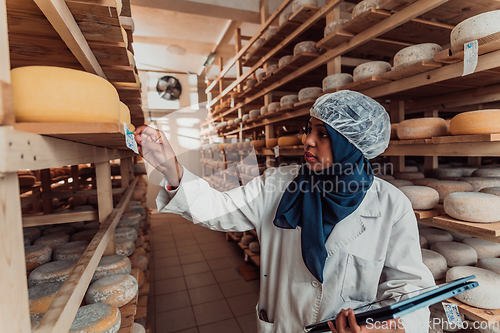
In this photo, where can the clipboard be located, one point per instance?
(408, 305)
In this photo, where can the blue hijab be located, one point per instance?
(317, 201)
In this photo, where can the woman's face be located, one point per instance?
(317, 149)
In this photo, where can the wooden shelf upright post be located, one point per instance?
(397, 114)
(125, 177)
(430, 162)
(105, 199)
(334, 66)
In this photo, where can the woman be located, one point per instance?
(332, 235)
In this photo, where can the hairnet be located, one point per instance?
(360, 119)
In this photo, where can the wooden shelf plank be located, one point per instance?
(487, 44)
(142, 307)
(410, 142)
(334, 39)
(366, 20)
(424, 214)
(483, 315)
(466, 138)
(256, 260)
(48, 219)
(487, 229)
(407, 70)
(366, 83)
(304, 13)
(303, 58)
(304, 104)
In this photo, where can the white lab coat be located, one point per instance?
(374, 253)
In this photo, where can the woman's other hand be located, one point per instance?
(347, 316)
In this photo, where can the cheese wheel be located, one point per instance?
(96, 318)
(408, 175)
(254, 113)
(130, 220)
(285, 60)
(136, 207)
(416, 53)
(400, 182)
(53, 240)
(115, 290)
(424, 181)
(273, 107)
(270, 32)
(487, 173)
(262, 111)
(424, 244)
(259, 42)
(251, 83)
(309, 93)
(65, 229)
(484, 248)
(467, 171)
(476, 122)
(124, 247)
(297, 4)
(491, 190)
(491, 264)
(72, 251)
(385, 177)
(457, 237)
(447, 172)
(293, 140)
(271, 143)
(139, 241)
(138, 328)
(474, 28)
(124, 114)
(435, 262)
(289, 100)
(473, 207)
(141, 262)
(111, 265)
(261, 76)
(364, 6)
(456, 254)
(369, 69)
(40, 298)
(37, 255)
(55, 98)
(421, 128)
(254, 247)
(285, 16)
(394, 131)
(31, 233)
(86, 235)
(307, 46)
(257, 144)
(445, 187)
(434, 235)
(335, 25)
(247, 239)
(26, 242)
(51, 272)
(478, 183)
(126, 233)
(245, 118)
(421, 197)
(271, 69)
(335, 81)
(26, 180)
(486, 295)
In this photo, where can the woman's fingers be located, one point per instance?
(352, 321)
(341, 322)
(332, 327)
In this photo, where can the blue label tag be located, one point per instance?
(129, 139)
(452, 314)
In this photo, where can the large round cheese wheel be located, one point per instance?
(408, 175)
(289, 141)
(245, 118)
(400, 182)
(435, 262)
(364, 6)
(486, 295)
(424, 181)
(473, 207)
(65, 229)
(141, 262)
(285, 60)
(115, 290)
(257, 144)
(247, 239)
(86, 235)
(484, 248)
(297, 4)
(434, 235)
(271, 143)
(72, 251)
(26, 242)
(335, 25)
(457, 237)
(491, 190)
(263, 111)
(421, 128)
(445, 187)
(309, 93)
(491, 264)
(487, 173)
(124, 247)
(289, 100)
(478, 183)
(96, 318)
(254, 247)
(476, 122)
(421, 197)
(53, 240)
(37, 255)
(62, 95)
(271, 68)
(124, 114)
(130, 220)
(467, 171)
(307, 46)
(394, 131)
(335, 81)
(385, 177)
(474, 28)
(141, 278)
(51, 272)
(416, 53)
(369, 69)
(261, 76)
(285, 16)
(31, 233)
(126, 233)
(270, 32)
(111, 265)
(138, 328)
(273, 107)
(424, 244)
(456, 254)
(254, 114)
(447, 172)
(250, 83)
(40, 298)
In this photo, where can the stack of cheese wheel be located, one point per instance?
(445, 187)
(447, 173)
(456, 254)
(99, 318)
(124, 247)
(254, 114)
(473, 207)
(289, 100)
(487, 173)
(62, 95)
(141, 262)
(369, 69)
(416, 53)
(484, 248)
(263, 111)
(474, 28)
(130, 220)
(421, 197)
(53, 240)
(433, 235)
(476, 122)
(293, 140)
(126, 233)
(435, 262)
(37, 255)
(40, 298)
(111, 265)
(273, 107)
(421, 128)
(478, 183)
(71, 251)
(55, 271)
(117, 290)
(31, 233)
(335, 81)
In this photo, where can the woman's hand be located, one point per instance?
(154, 147)
(347, 316)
